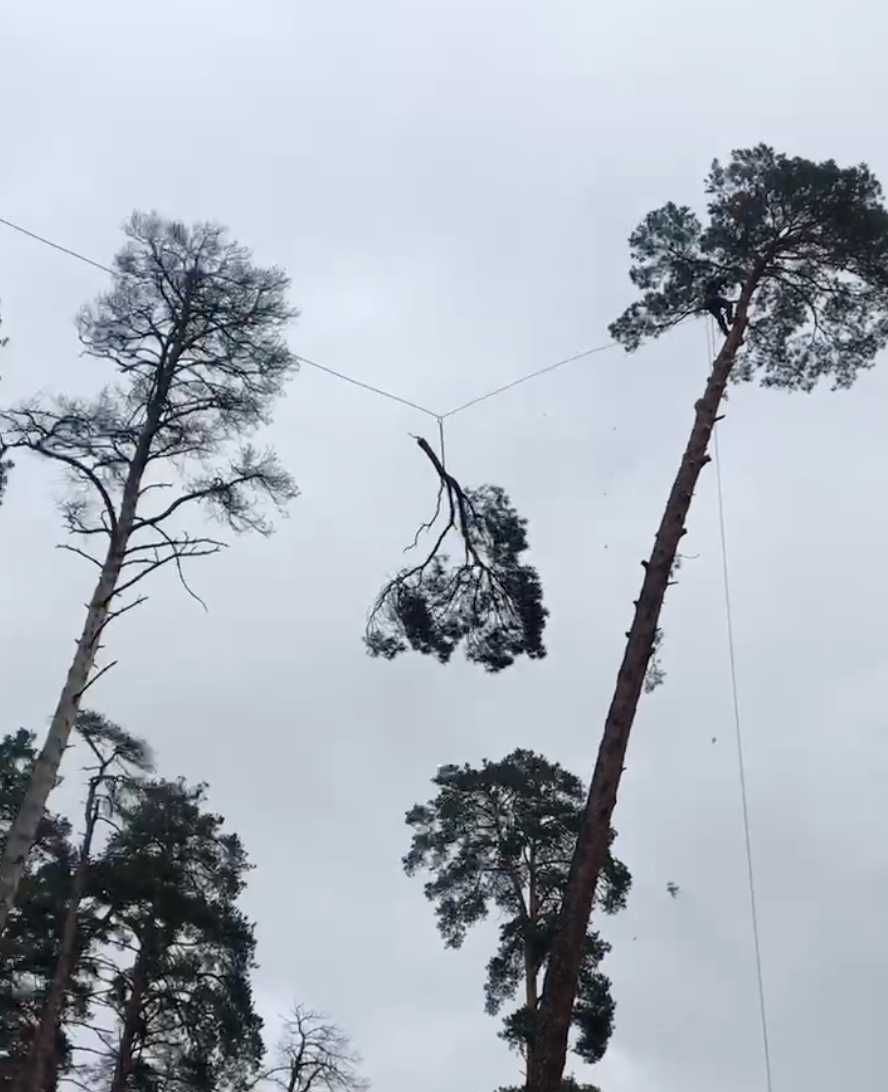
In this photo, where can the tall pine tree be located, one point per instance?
(118, 759)
(182, 1004)
(807, 244)
(499, 838)
(30, 946)
(195, 334)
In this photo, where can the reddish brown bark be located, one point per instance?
(559, 987)
(132, 1014)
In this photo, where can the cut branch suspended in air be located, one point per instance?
(488, 598)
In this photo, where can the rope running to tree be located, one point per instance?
(738, 735)
(341, 375)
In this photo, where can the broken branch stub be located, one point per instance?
(488, 599)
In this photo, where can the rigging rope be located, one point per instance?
(530, 375)
(441, 439)
(738, 735)
(366, 386)
(341, 375)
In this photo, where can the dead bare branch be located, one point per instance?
(177, 550)
(95, 678)
(79, 552)
(313, 1053)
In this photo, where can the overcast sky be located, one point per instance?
(450, 186)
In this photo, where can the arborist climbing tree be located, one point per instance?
(714, 301)
(808, 243)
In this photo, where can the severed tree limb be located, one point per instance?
(489, 598)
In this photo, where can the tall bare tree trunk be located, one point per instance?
(39, 1070)
(531, 966)
(124, 1064)
(560, 982)
(23, 833)
(531, 1001)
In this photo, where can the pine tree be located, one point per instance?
(808, 245)
(118, 759)
(29, 947)
(194, 331)
(500, 837)
(183, 1005)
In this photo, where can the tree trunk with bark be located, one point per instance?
(531, 1000)
(132, 1014)
(197, 333)
(39, 1072)
(531, 965)
(23, 833)
(559, 986)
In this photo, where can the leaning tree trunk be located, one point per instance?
(23, 833)
(40, 1063)
(560, 983)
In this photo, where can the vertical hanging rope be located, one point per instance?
(441, 441)
(738, 735)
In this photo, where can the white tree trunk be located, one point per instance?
(23, 832)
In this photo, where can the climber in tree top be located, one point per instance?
(714, 301)
(706, 287)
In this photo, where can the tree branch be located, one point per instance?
(96, 678)
(79, 552)
(37, 445)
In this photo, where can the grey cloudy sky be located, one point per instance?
(450, 186)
